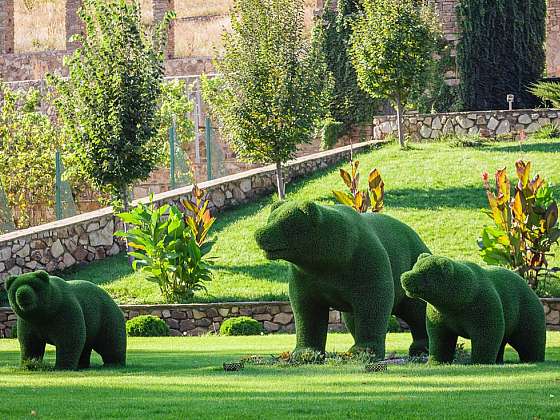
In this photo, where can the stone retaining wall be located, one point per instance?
(199, 319)
(483, 123)
(89, 236)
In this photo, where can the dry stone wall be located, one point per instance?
(89, 236)
(275, 317)
(483, 123)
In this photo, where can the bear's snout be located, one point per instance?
(26, 298)
(413, 284)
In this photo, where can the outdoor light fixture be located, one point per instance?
(510, 99)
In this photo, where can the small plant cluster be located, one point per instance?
(147, 326)
(548, 92)
(548, 131)
(241, 325)
(525, 224)
(361, 201)
(170, 246)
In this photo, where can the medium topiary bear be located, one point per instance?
(75, 316)
(493, 307)
(348, 261)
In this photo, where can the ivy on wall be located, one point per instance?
(348, 103)
(501, 51)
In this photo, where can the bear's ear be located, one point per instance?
(311, 210)
(42, 275)
(9, 281)
(423, 255)
(447, 268)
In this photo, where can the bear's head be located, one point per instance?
(304, 233)
(29, 294)
(435, 280)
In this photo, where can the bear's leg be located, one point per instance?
(311, 315)
(500, 357)
(486, 345)
(370, 326)
(32, 346)
(69, 347)
(348, 319)
(413, 312)
(529, 338)
(443, 343)
(530, 344)
(112, 346)
(85, 357)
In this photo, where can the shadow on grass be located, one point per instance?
(460, 197)
(271, 271)
(542, 146)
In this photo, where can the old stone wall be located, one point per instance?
(275, 317)
(484, 123)
(87, 237)
(31, 66)
(553, 39)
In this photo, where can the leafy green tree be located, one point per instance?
(348, 104)
(109, 104)
(391, 49)
(500, 51)
(272, 91)
(28, 142)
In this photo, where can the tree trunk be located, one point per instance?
(280, 181)
(400, 121)
(126, 208)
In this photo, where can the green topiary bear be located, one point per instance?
(348, 261)
(76, 317)
(493, 307)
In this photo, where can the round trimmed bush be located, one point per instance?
(146, 326)
(242, 325)
(394, 325)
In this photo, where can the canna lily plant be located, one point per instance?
(525, 224)
(361, 201)
(171, 246)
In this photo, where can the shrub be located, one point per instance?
(362, 201)
(548, 92)
(242, 325)
(171, 246)
(394, 325)
(147, 326)
(526, 224)
(330, 132)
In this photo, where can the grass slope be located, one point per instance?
(434, 188)
(182, 378)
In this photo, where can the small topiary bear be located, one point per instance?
(493, 307)
(348, 261)
(76, 317)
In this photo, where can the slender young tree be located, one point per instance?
(109, 103)
(391, 49)
(272, 89)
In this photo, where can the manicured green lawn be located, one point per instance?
(182, 378)
(434, 188)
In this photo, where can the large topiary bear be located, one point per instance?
(493, 307)
(75, 316)
(348, 261)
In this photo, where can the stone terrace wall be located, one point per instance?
(484, 123)
(89, 236)
(199, 319)
(553, 39)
